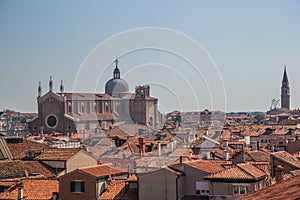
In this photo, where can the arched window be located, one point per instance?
(82, 108)
(106, 107)
(69, 107)
(94, 107)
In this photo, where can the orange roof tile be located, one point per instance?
(288, 189)
(174, 171)
(12, 169)
(241, 171)
(205, 165)
(33, 189)
(287, 157)
(114, 191)
(101, 170)
(133, 177)
(57, 154)
(19, 150)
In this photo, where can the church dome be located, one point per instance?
(116, 85)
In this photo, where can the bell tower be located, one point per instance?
(285, 91)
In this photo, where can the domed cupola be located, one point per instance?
(116, 86)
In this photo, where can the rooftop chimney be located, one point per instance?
(226, 154)
(20, 191)
(159, 149)
(279, 174)
(142, 142)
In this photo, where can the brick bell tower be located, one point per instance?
(285, 91)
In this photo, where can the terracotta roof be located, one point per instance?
(101, 170)
(114, 191)
(257, 156)
(57, 154)
(133, 177)
(288, 189)
(205, 165)
(19, 150)
(241, 171)
(13, 169)
(288, 158)
(174, 171)
(33, 189)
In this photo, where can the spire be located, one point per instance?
(116, 71)
(61, 86)
(50, 84)
(285, 91)
(285, 77)
(39, 89)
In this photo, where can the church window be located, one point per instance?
(94, 107)
(106, 107)
(69, 107)
(82, 108)
(51, 121)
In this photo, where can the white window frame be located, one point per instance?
(202, 187)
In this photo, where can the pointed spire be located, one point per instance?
(39, 89)
(61, 86)
(285, 77)
(50, 84)
(116, 71)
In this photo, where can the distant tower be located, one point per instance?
(285, 91)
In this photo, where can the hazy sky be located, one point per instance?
(249, 41)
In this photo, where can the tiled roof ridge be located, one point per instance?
(238, 165)
(285, 160)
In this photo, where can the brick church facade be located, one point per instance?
(69, 113)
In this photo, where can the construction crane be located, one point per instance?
(274, 104)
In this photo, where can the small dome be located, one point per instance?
(116, 86)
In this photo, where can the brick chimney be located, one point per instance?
(239, 157)
(142, 143)
(279, 174)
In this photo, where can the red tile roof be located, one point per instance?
(116, 190)
(288, 189)
(174, 171)
(257, 156)
(33, 189)
(19, 150)
(241, 171)
(101, 170)
(288, 158)
(12, 169)
(57, 154)
(205, 165)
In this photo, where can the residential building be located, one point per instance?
(62, 161)
(88, 182)
(236, 181)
